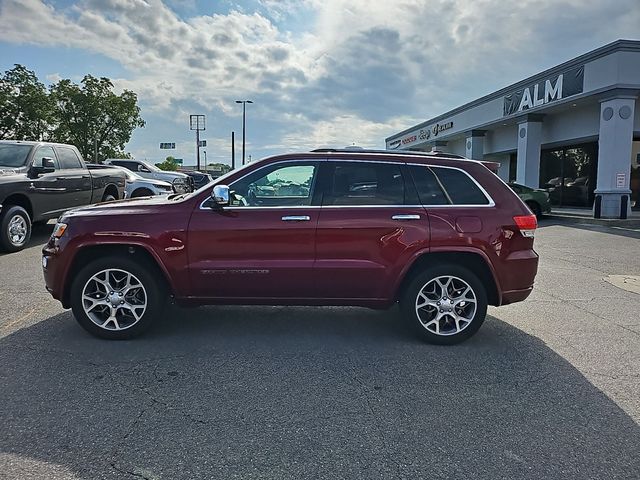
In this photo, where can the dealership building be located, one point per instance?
(573, 129)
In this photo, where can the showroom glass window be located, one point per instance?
(569, 174)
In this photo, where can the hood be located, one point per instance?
(134, 206)
(9, 174)
(153, 181)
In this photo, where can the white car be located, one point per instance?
(137, 186)
(181, 183)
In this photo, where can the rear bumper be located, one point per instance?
(513, 296)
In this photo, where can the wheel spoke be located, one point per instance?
(121, 295)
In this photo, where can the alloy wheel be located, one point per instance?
(18, 230)
(114, 299)
(446, 305)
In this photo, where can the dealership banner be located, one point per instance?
(563, 85)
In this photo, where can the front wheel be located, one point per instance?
(116, 298)
(15, 229)
(445, 304)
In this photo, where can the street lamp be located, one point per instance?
(244, 105)
(205, 160)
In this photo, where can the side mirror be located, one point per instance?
(43, 165)
(220, 195)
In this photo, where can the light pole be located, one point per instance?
(205, 160)
(244, 105)
(197, 123)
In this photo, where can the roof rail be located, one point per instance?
(433, 153)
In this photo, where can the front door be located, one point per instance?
(49, 192)
(370, 224)
(263, 245)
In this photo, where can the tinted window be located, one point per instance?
(133, 166)
(13, 155)
(429, 189)
(277, 185)
(365, 183)
(68, 158)
(462, 190)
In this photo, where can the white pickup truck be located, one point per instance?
(181, 183)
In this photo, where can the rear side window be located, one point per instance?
(68, 158)
(429, 189)
(460, 188)
(365, 183)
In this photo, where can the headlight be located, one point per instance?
(59, 230)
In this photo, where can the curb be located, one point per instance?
(606, 222)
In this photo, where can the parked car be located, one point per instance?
(200, 179)
(138, 186)
(536, 199)
(444, 237)
(181, 183)
(40, 180)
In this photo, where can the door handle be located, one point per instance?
(296, 218)
(405, 217)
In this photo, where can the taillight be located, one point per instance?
(527, 224)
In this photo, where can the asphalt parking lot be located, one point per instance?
(549, 388)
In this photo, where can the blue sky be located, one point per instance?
(321, 72)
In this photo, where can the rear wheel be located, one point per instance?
(445, 304)
(15, 229)
(116, 298)
(107, 197)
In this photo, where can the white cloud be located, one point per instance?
(360, 71)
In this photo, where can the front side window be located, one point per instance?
(45, 152)
(68, 158)
(365, 183)
(276, 186)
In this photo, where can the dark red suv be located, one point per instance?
(443, 236)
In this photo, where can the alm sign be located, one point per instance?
(549, 90)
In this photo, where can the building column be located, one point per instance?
(615, 143)
(475, 144)
(529, 140)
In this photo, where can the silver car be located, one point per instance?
(137, 186)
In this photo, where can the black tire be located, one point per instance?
(107, 197)
(146, 274)
(12, 240)
(535, 208)
(141, 192)
(410, 297)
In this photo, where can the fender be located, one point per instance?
(453, 249)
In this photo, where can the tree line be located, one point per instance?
(83, 114)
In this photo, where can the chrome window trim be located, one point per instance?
(484, 192)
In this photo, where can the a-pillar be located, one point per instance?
(529, 140)
(614, 157)
(475, 145)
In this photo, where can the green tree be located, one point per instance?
(93, 112)
(170, 164)
(25, 107)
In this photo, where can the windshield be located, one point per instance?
(151, 168)
(13, 155)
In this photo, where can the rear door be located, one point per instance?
(263, 245)
(75, 176)
(370, 225)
